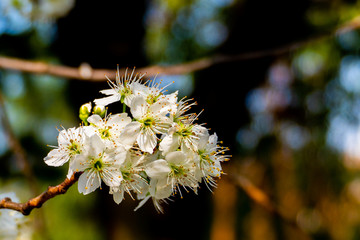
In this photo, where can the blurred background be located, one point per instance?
(291, 118)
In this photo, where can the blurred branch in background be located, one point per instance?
(259, 197)
(225, 208)
(86, 72)
(37, 202)
(22, 161)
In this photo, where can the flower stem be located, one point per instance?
(124, 107)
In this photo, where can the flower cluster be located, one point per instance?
(155, 151)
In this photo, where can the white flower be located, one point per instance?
(154, 93)
(175, 170)
(123, 90)
(166, 176)
(209, 157)
(184, 135)
(132, 180)
(70, 144)
(150, 120)
(158, 192)
(98, 164)
(183, 132)
(109, 129)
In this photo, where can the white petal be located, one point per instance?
(147, 141)
(115, 119)
(108, 91)
(88, 182)
(138, 107)
(76, 165)
(118, 196)
(142, 202)
(213, 141)
(188, 151)
(96, 120)
(144, 190)
(56, 157)
(157, 169)
(128, 99)
(160, 108)
(97, 146)
(107, 100)
(152, 186)
(89, 131)
(215, 169)
(119, 121)
(169, 144)
(79, 163)
(129, 134)
(111, 176)
(198, 174)
(139, 89)
(172, 98)
(203, 141)
(163, 189)
(200, 131)
(176, 158)
(63, 138)
(120, 155)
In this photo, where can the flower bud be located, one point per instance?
(84, 112)
(100, 110)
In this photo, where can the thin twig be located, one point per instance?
(37, 202)
(255, 193)
(85, 72)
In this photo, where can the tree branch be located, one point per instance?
(85, 72)
(37, 202)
